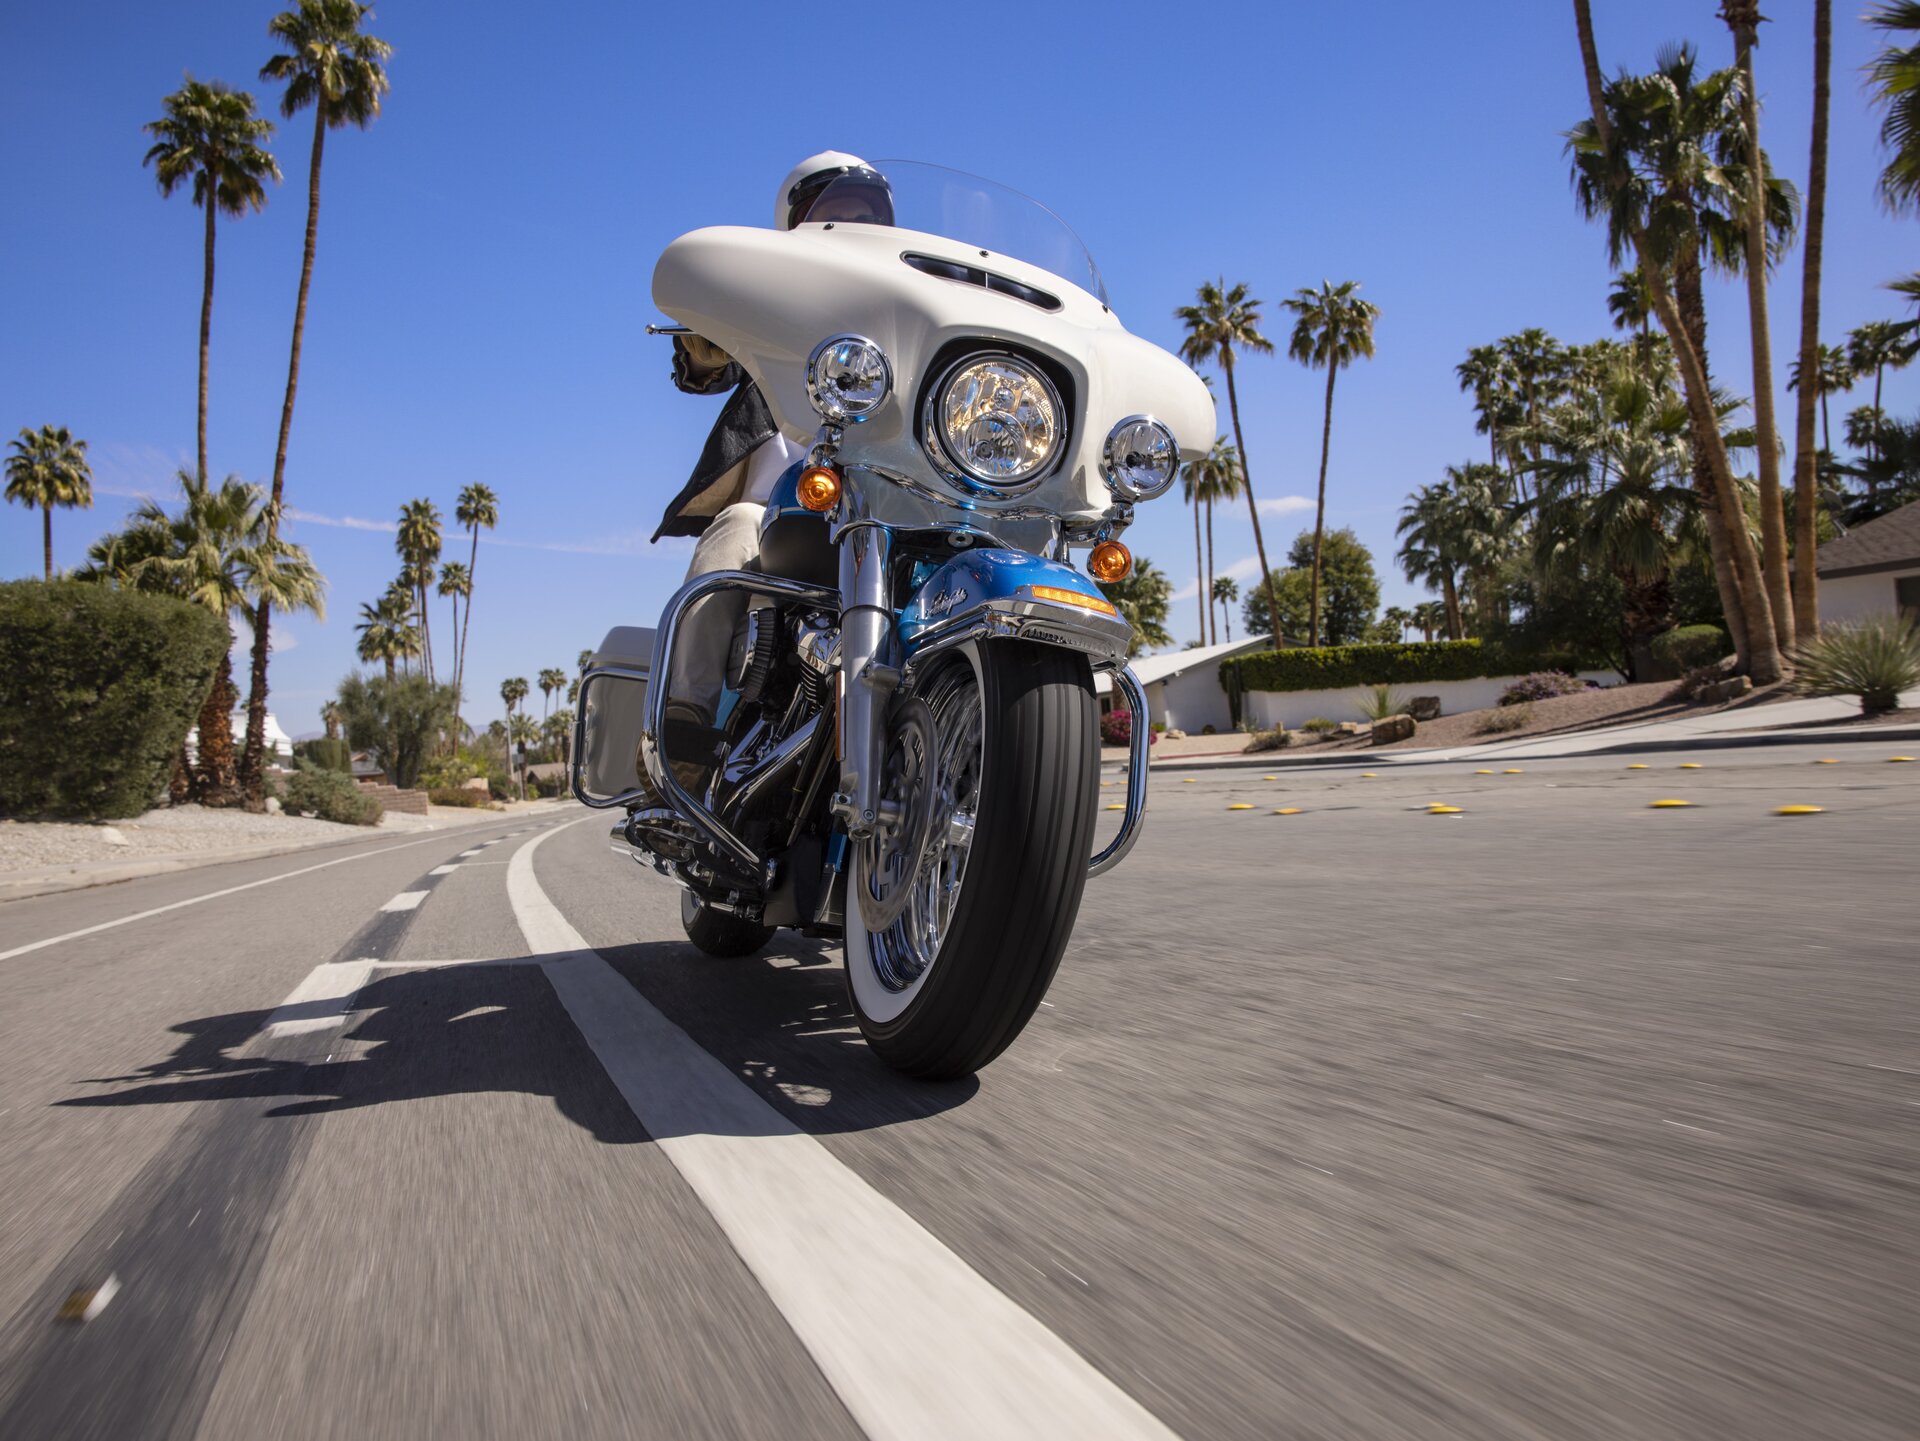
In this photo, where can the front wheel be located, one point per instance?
(946, 986)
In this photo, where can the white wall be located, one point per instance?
(1266, 709)
(1191, 700)
(1855, 597)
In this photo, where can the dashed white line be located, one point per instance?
(443, 870)
(405, 901)
(322, 1000)
(915, 1342)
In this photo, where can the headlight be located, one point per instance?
(1140, 458)
(997, 419)
(847, 378)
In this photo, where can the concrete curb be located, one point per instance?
(1728, 740)
(84, 875)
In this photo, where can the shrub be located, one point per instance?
(448, 772)
(1320, 725)
(499, 785)
(1116, 729)
(98, 688)
(1690, 647)
(1277, 739)
(398, 720)
(1381, 701)
(1874, 659)
(331, 796)
(1508, 718)
(1541, 685)
(1343, 667)
(467, 796)
(332, 755)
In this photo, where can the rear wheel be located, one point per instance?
(719, 934)
(946, 986)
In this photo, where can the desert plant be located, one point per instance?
(1690, 647)
(398, 721)
(1277, 739)
(1320, 725)
(315, 791)
(1541, 685)
(329, 754)
(1506, 718)
(1380, 701)
(1874, 659)
(468, 796)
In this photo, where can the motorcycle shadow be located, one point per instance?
(779, 1021)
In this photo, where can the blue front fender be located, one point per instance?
(991, 592)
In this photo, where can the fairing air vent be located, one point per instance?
(974, 275)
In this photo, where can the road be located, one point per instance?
(1560, 1117)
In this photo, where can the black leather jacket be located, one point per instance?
(719, 475)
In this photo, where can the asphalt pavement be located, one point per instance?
(1549, 1115)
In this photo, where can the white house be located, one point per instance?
(1183, 686)
(1873, 569)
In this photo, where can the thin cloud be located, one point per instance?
(339, 522)
(634, 542)
(1285, 504)
(1244, 569)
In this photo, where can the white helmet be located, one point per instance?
(814, 174)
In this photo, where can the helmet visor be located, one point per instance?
(851, 197)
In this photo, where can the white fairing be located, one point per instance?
(769, 297)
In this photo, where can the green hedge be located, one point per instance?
(1340, 667)
(98, 688)
(331, 755)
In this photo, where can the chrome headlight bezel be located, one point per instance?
(831, 403)
(1118, 475)
(933, 437)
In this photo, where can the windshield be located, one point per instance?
(957, 206)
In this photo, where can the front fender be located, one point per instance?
(991, 592)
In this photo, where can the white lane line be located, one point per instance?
(465, 855)
(915, 1342)
(211, 896)
(405, 901)
(322, 1000)
(443, 870)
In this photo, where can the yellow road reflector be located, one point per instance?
(1436, 809)
(1637, 766)
(1239, 806)
(1269, 778)
(1187, 782)
(1827, 762)
(1689, 765)
(1368, 775)
(1288, 811)
(1798, 811)
(1511, 771)
(1899, 758)
(1117, 806)
(1669, 805)
(1483, 773)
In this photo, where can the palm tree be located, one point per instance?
(1895, 78)
(1141, 597)
(1630, 302)
(1832, 375)
(1429, 616)
(330, 718)
(557, 731)
(1743, 19)
(1431, 547)
(387, 633)
(586, 659)
(48, 467)
(1201, 482)
(456, 582)
(417, 539)
(1220, 324)
(1813, 358)
(1658, 159)
(1488, 373)
(333, 66)
(551, 681)
(1880, 346)
(521, 731)
(1333, 327)
(476, 508)
(1399, 618)
(211, 136)
(513, 691)
(1225, 592)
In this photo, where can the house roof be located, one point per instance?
(1151, 668)
(1891, 542)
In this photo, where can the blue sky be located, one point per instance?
(485, 249)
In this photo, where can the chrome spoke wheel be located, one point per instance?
(902, 951)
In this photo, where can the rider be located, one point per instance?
(745, 455)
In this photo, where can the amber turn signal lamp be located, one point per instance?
(819, 489)
(1110, 562)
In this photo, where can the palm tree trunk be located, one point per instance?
(1763, 653)
(206, 319)
(213, 781)
(1213, 629)
(1826, 421)
(46, 535)
(453, 600)
(1873, 436)
(1450, 593)
(1320, 512)
(1246, 477)
(1743, 16)
(426, 634)
(1806, 482)
(1199, 574)
(389, 660)
(1692, 305)
(253, 776)
(473, 563)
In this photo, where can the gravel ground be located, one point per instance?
(26, 845)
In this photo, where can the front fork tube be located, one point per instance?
(867, 682)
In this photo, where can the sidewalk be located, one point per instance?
(78, 875)
(1791, 722)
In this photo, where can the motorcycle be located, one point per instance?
(905, 754)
